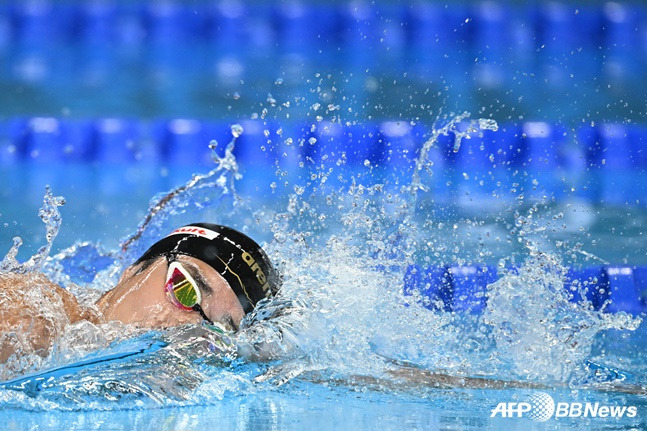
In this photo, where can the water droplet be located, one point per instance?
(236, 130)
(312, 140)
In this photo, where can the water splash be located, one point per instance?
(228, 162)
(341, 311)
(50, 215)
(201, 192)
(539, 332)
(460, 131)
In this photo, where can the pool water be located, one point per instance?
(350, 320)
(503, 243)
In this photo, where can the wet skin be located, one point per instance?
(140, 298)
(35, 311)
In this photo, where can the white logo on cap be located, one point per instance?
(195, 230)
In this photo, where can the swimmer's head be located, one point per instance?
(214, 270)
(234, 255)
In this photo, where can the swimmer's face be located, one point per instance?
(140, 297)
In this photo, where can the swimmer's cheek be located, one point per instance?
(154, 317)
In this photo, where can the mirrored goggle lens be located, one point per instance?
(181, 288)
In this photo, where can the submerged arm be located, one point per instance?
(409, 376)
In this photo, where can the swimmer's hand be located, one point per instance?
(268, 333)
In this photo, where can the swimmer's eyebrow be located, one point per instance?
(197, 276)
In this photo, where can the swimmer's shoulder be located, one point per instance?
(16, 288)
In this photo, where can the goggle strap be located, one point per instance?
(202, 314)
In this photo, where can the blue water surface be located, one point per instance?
(113, 104)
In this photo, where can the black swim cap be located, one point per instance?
(237, 257)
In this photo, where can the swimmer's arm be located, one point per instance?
(408, 376)
(24, 327)
(417, 376)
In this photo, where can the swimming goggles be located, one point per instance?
(181, 289)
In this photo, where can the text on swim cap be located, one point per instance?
(260, 275)
(195, 230)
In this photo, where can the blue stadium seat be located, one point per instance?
(428, 32)
(6, 27)
(359, 32)
(492, 37)
(184, 142)
(116, 141)
(543, 145)
(590, 142)
(260, 33)
(617, 151)
(618, 181)
(8, 149)
(638, 143)
(297, 27)
(227, 25)
(473, 154)
(556, 22)
(640, 280)
(253, 148)
(96, 22)
(492, 44)
(343, 148)
(325, 141)
(131, 25)
(402, 143)
(541, 141)
(503, 148)
(460, 26)
(166, 22)
(364, 144)
(46, 140)
(35, 22)
(622, 37)
(391, 29)
(290, 140)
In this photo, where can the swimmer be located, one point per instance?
(198, 273)
(201, 272)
